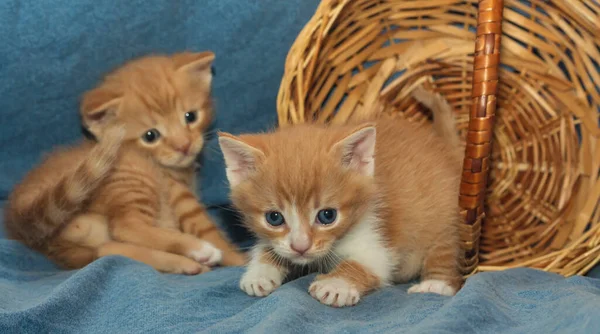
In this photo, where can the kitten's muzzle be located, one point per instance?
(301, 247)
(183, 148)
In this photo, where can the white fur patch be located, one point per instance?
(364, 245)
(334, 292)
(433, 286)
(260, 279)
(292, 219)
(297, 235)
(207, 254)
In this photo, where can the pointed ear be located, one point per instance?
(98, 107)
(358, 150)
(241, 159)
(198, 65)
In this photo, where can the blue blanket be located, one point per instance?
(118, 295)
(51, 51)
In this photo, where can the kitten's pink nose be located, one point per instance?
(301, 247)
(184, 147)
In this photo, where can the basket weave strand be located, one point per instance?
(357, 58)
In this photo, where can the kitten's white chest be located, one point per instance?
(365, 245)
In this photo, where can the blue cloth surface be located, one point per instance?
(52, 51)
(118, 295)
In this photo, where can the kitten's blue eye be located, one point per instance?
(191, 117)
(327, 216)
(151, 136)
(274, 218)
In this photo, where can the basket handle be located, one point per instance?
(476, 163)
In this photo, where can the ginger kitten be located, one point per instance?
(367, 205)
(130, 194)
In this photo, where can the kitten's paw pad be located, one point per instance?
(194, 269)
(260, 284)
(335, 292)
(207, 254)
(433, 286)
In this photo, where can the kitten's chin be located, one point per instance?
(302, 260)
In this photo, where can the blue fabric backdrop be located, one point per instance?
(52, 51)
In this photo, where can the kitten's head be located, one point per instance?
(300, 189)
(163, 102)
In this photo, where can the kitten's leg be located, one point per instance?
(161, 261)
(75, 246)
(440, 271)
(366, 265)
(87, 238)
(264, 273)
(194, 220)
(133, 227)
(132, 218)
(69, 255)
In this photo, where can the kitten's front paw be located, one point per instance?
(262, 282)
(335, 292)
(207, 254)
(433, 286)
(176, 264)
(192, 268)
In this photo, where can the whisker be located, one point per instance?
(210, 149)
(245, 248)
(226, 208)
(349, 272)
(280, 260)
(210, 132)
(319, 263)
(331, 258)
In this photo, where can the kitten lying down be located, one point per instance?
(366, 205)
(132, 192)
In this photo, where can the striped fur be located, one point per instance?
(393, 185)
(50, 197)
(125, 195)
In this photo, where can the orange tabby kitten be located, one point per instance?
(368, 204)
(131, 193)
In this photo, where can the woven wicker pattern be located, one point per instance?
(356, 58)
(479, 132)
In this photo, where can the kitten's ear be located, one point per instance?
(98, 107)
(198, 65)
(358, 150)
(241, 159)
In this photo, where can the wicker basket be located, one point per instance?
(541, 204)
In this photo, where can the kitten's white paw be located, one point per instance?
(433, 286)
(207, 254)
(335, 292)
(261, 280)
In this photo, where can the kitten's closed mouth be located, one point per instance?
(303, 259)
